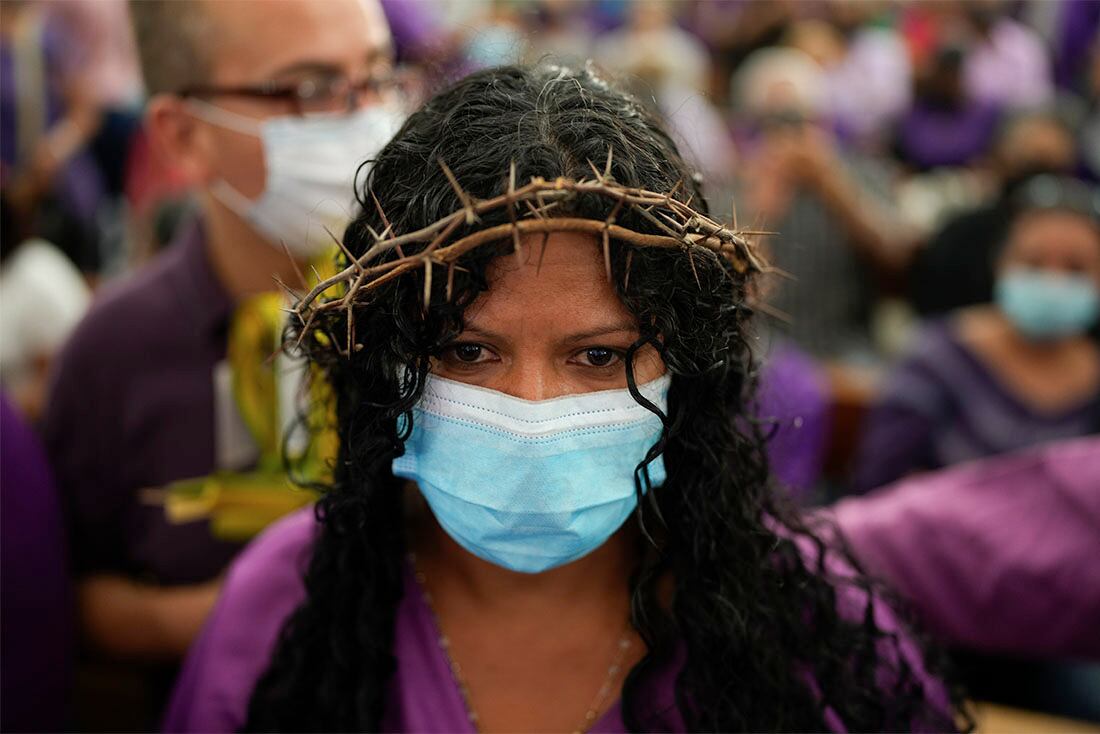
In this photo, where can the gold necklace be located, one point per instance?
(456, 670)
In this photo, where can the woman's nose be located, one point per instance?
(529, 381)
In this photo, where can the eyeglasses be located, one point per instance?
(321, 93)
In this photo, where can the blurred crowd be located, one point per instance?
(922, 177)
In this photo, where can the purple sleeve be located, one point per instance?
(998, 555)
(263, 587)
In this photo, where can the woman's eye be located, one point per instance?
(598, 357)
(468, 353)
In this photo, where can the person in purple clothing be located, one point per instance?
(266, 111)
(546, 515)
(1021, 371)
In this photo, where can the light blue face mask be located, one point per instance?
(1045, 305)
(530, 485)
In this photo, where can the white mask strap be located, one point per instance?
(234, 200)
(224, 118)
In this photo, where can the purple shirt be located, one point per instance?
(997, 555)
(942, 406)
(265, 585)
(132, 408)
(36, 630)
(928, 137)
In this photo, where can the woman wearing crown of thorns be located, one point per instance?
(550, 511)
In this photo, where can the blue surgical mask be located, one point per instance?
(530, 485)
(1045, 305)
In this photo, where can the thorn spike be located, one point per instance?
(427, 283)
(607, 253)
(293, 262)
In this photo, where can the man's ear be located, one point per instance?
(180, 138)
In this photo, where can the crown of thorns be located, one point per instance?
(529, 209)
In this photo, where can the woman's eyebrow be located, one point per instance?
(609, 330)
(623, 328)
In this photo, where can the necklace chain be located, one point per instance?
(594, 708)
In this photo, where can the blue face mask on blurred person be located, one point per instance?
(1045, 305)
(530, 485)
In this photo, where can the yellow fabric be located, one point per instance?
(254, 335)
(240, 504)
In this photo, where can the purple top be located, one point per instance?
(263, 588)
(36, 630)
(928, 137)
(132, 407)
(794, 393)
(998, 555)
(942, 406)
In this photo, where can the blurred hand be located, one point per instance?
(807, 155)
(790, 159)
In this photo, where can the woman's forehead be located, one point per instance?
(1055, 230)
(559, 283)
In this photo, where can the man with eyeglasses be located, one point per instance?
(267, 109)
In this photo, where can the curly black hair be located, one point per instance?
(757, 612)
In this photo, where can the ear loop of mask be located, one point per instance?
(221, 189)
(643, 485)
(224, 118)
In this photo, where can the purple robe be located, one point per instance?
(999, 555)
(262, 589)
(264, 586)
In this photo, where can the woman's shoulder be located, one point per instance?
(275, 561)
(262, 588)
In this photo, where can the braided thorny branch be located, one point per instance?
(530, 210)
